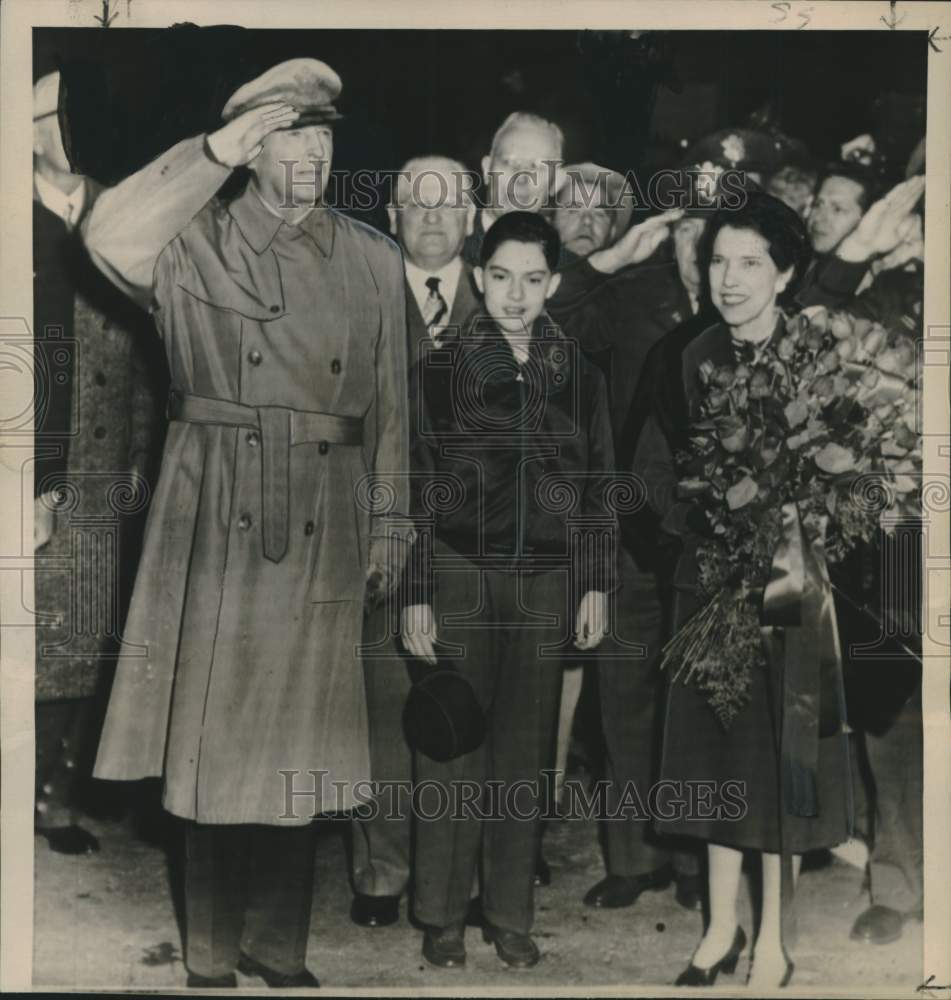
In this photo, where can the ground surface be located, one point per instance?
(108, 921)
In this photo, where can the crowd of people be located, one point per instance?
(397, 473)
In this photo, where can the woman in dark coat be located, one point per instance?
(754, 256)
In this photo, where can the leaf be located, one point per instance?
(741, 493)
(833, 458)
(796, 412)
(905, 484)
(893, 450)
(798, 440)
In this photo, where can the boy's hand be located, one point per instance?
(418, 631)
(240, 141)
(592, 620)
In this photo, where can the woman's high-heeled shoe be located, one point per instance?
(787, 976)
(695, 976)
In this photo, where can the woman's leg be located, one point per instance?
(724, 884)
(770, 960)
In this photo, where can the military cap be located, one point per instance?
(737, 149)
(614, 190)
(308, 85)
(46, 95)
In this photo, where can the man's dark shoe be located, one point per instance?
(374, 911)
(226, 982)
(689, 891)
(445, 947)
(616, 891)
(69, 839)
(517, 950)
(878, 925)
(304, 979)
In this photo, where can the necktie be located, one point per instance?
(435, 307)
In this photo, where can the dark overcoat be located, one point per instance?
(97, 425)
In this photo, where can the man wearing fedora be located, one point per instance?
(430, 217)
(284, 326)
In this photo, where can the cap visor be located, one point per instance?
(316, 116)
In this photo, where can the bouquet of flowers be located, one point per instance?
(826, 418)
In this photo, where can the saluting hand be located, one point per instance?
(885, 225)
(637, 244)
(240, 141)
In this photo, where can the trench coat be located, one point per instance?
(98, 424)
(239, 671)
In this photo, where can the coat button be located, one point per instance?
(323, 447)
(244, 522)
(253, 438)
(309, 528)
(255, 357)
(275, 309)
(100, 378)
(99, 433)
(335, 366)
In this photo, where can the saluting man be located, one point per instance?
(284, 324)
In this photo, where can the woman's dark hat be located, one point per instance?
(442, 717)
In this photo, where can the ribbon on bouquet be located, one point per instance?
(802, 645)
(805, 658)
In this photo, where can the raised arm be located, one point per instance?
(133, 222)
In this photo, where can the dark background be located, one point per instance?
(627, 100)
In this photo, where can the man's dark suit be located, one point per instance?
(465, 302)
(381, 846)
(619, 319)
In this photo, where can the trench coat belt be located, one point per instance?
(280, 427)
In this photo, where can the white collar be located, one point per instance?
(67, 206)
(448, 276)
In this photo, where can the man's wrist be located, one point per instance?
(210, 151)
(606, 261)
(854, 251)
